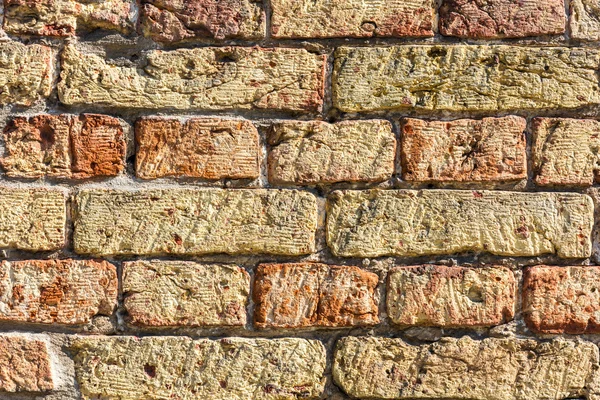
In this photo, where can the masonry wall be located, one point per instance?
(308, 199)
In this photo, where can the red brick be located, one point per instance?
(24, 365)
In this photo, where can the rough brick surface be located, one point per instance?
(436, 295)
(25, 73)
(57, 291)
(175, 21)
(208, 148)
(180, 368)
(351, 18)
(491, 369)
(179, 293)
(24, 365)
(183, 221)
(64, 17)
(464, 78)
(562, 299)
(405, 222)
(495, 19)
(311, 295)
(466, 150)
(565, 151)
(202, 78)
(585, 19)
(317, 152)
(32, 219)
(64, 146)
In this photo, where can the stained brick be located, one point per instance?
(24, 365)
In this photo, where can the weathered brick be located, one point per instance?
(32, 219)
(64, 17)
(317, 152)
(312, 295)
(495, 19)
(466, 150)
(585, 19)
(491, 369)
(66, 292)
(185, 221)
(562, 299)
(175, 21)
(156, 368)
(201, 78)
(64, 146)
(436, 295)
(464, 78)
(24, 365)
(179, 293)
(26, 73)
(351, 18)
(565, 151)
(208, 148)
(406, 222)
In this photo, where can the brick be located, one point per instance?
(584, 21)
(208, 148)
(26, 73)
(155, 368)
(491, 369)
(224, 78)
(414, 223)
(173, 21)
(65, 17)
(497, 19)
(354, 18)
(464, 78)
(561, 299)
(68, 292)
(194, 222)
(436, 295)
(24, 365)
(317, 152)
(64, 146)
(466, 150)
(179, 293)
(314, 295)
(565, 151)
(32, 219)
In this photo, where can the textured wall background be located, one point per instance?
(299, 199)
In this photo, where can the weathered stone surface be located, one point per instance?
(64, 146)
(184, 221)
(208, 148)
(464, 78)
(585, 19)
(32, 219)
(490, 369)
(64, 17)
(25, 73)
(466, 150)
(351, 18)
(406, 222)
(436, 295)
(66, 292)
(156, 368)
(495, 19)
(317, 152)
(565, 151)
(311, 295)
(179, 293)
(202, 78)
(24, 365)
(562, 299)
(174, 20)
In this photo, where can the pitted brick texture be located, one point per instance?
(585, 19)
(24, 365)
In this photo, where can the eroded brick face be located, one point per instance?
(24, 365)
(585, 19)
(314, 295)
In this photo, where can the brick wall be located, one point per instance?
(299, 199)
